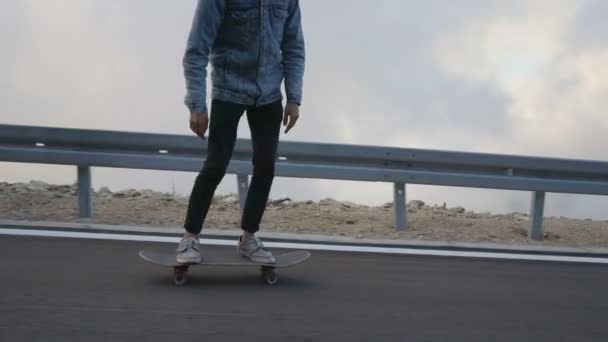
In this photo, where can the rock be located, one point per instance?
(36, 186)
(227, 199)
(415, 204)
(350, 222)
(182, 199)
(134, 193)
(520, 217)
(64, 189)
(150, 194)
(39, 183)
(349, 205)
(458, 210)
(470, 214)
(120, 194)
(18, 188)
(328, 201)
(182, 202)
(282, 201)
(104, 191)
(127, 193)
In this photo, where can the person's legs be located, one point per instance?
(223, 124)
(265, 125)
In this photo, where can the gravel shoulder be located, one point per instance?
(40, 201)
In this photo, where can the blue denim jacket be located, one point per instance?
(252, 46)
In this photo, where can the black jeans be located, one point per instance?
(265, 125)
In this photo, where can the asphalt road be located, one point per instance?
(55, 289)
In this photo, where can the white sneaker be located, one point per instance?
(251, 247)
(188, 251)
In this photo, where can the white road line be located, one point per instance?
(307, 246)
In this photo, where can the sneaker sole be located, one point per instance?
(188, 261)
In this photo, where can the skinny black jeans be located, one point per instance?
(264, 124)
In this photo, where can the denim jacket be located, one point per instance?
(252, 46)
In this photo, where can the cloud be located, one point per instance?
(90, 64)
(522, 76)
(67, 62)
(590, 30)
(556, 88)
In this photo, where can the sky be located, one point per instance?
(523, 77)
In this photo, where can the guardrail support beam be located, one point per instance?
(400, 206)
(85, 198)
(243, 187)
(536, 216)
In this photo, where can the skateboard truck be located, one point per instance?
(180, 275)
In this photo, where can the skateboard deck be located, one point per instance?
(180, 271)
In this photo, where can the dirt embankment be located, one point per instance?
(47, 202)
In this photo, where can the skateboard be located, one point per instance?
(180, 271)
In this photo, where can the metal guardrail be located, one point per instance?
(400, 166)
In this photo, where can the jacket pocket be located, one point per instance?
(279, 12)
(278, 16)
(241, 24)
(242, 16)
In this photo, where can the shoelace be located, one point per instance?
(256, 243)
(189, 244)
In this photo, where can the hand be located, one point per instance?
(199, 122)
(292, 113)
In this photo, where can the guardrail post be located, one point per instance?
(536, 216)
(85, 198)
(243, 187)
(400, 206)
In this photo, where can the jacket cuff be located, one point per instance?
(197, 108)
(294, 100)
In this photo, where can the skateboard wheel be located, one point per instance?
(270, 276)
(180, 276)
(180, 279)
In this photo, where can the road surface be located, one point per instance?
(57, 289)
